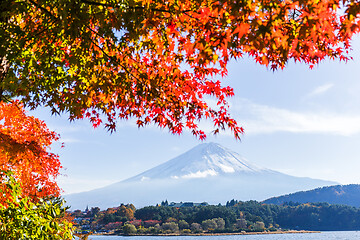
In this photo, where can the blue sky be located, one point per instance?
(299, 121)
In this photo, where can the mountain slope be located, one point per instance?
(208, 172)
(208, 159)
(339, 194)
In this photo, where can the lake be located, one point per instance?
(351, 235)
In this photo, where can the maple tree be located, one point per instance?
(24, 149)
(157, 61)
(29, 203)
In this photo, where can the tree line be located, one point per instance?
(235, 216)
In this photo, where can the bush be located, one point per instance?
(142, 230)
(196, 228)
(152, 230)
(21, 218)
(129, 229)
(220, 223)
(170, 227)
(272, 229)
(240, 224)
(259, 226)
(186, 231)
(183, 224)
(209, 225)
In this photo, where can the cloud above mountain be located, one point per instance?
(320, 90)
(264, 119)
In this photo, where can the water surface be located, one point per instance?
(345, 235)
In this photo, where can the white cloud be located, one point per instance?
(144, 179)
(226, 169)
(264, 119)
(320, 90)
(258, 119)
(200, 174)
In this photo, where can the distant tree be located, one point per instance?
(136, 222)
(183, 224)
(94, 211)
(241, 224)
(210, 212)
(231, 203)
(259, 226)
(157, 227)
(110, 211)
(150, 223)
(77, 213)
(170, 227)
(186, 231)
(171, 219)
(220, 223)
(126, 211)
(113, 225)
(129, 229)
(131, 206)
(196, 228)
(156, 213)
(209, 224)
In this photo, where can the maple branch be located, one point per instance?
(96, 3)
(131, 7)
(113, 59)
(4, 67)
(11, 145)
(110, 57)
(43, 9)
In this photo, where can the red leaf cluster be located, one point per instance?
(158, 62)
(24, 149)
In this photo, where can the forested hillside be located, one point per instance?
(234, 217)
(339, 194)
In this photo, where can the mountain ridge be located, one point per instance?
(206, 173)
(339, 194)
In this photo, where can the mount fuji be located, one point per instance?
(207, 173)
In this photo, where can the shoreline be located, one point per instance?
(215, 234)
(250, 233)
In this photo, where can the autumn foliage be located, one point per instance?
(159, 62)
(152, 61)
(24, 149)
(22, 218)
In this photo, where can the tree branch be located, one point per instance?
(43, 9)
(132, 7)
(4, 67)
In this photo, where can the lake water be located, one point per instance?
(353, 235)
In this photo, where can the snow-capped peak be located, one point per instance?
(204, 160)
